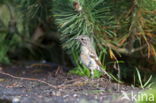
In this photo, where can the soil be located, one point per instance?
(51, 84)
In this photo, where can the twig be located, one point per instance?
(44, 82)
(31, 79)
(124, 50)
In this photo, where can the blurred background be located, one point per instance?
(124, 34)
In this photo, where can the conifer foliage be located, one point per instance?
(121, 27)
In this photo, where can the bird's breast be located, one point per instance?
(84, 50)
(84, 56)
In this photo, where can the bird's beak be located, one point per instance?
(77, 38)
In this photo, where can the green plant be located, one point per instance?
(144, 84)
(3, 52)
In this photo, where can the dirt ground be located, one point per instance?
(41, 84)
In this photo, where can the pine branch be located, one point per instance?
(125, 50)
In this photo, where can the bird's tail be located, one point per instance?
(105, 72)
(110, 76)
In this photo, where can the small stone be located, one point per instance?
(65, 96)
(56, 93)
(16, 100)
(43, 61)
(75, 95)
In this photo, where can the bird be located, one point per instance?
(88, 55)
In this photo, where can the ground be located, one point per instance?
(37, 84)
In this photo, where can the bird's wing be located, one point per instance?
(95, 57)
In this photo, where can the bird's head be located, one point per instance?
(83, 39)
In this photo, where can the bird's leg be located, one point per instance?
(92, 74)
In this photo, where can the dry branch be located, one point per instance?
(124, 50)
(30, 79)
